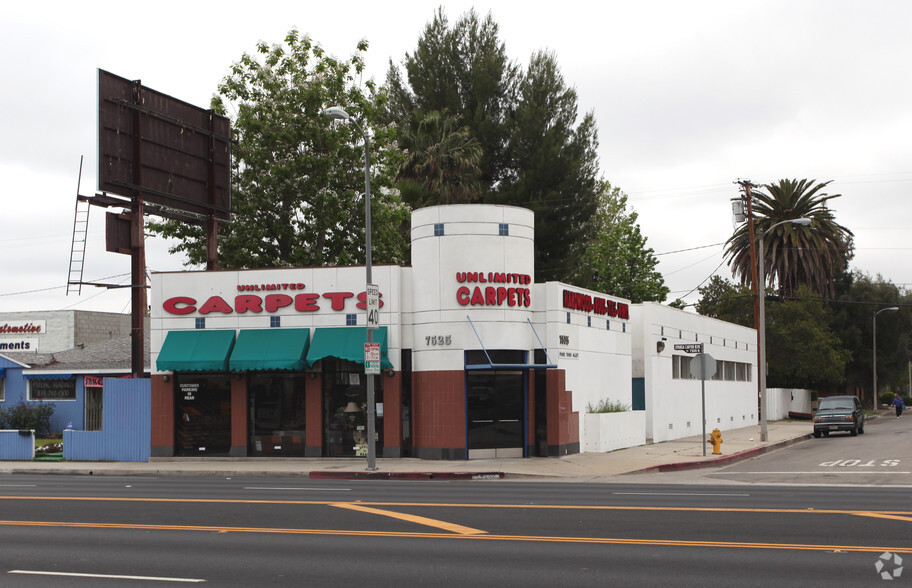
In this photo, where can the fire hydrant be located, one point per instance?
(716, 439)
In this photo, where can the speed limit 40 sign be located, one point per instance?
(373, 306)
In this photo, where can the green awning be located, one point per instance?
(270, 349)
(199, 350)
(346, 343)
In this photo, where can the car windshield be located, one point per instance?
(836, 405)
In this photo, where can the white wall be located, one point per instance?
(201, 286)
(674, 406)
(595, 351)
(471, 244)
(780, 401)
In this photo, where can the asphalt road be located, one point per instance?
(88, 531)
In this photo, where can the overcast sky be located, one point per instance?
(688, 98)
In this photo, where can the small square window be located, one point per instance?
(275, 321)
(588, 321)
(351, 320)
(201, 323)
(504, 229)
(623, 327)
(608, 325)
(661, 330)
(438, 229)
(568, 318)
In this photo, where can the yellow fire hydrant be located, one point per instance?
(716, 439)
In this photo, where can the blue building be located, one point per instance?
(72, 380)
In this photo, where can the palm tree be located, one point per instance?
(794, 255)
(442, 161)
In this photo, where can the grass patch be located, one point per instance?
(605, 405)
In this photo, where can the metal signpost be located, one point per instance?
(703, 366)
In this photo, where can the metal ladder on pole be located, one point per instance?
(80, 235)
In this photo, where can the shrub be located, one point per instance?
(35, 416)
(605, 405)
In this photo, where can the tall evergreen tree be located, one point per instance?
(536, 151)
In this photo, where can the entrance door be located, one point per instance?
(496, 413)
(203, 415)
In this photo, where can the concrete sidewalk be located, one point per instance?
(687, 453)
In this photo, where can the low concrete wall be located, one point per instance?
(780, 401)
(15, 445)
(614, 430)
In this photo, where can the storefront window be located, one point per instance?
(203, 414)
(345, 409)
(277, 420)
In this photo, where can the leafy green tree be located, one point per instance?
(441, 161)
(726, 301)
(851, 317)
(617, 259)
(802, 351)
(795, 255)
(297, 178)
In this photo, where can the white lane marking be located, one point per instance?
(829, 472)
(292, 488)
(105, 576)
(19, 485)
(681, 494)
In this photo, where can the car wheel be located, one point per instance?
(854, 431)
(826, 433)
(817, 434)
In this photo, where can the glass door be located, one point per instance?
(495, 409)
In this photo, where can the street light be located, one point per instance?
(875, 350)
(761, 331)
(337, 113)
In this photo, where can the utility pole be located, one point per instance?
(759, 289)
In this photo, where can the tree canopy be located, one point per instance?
(794, 255)
(536, 151)
(616, 260)
(297, 178)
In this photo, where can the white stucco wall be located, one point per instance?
(471, 244)
(673, 406)
(201, 286)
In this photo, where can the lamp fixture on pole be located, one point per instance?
(337, 113)
(761, 331)
(875, 350)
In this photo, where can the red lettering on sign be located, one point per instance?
(215, 304)
(306, 302)
(187, 305)
(276, 301)
(338, 299)
(248, 302)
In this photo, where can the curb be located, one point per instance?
(726, 460)
(366, 475)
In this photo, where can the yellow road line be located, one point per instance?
(880, 515)
(485, 537)
(411, 518)
(898, 513)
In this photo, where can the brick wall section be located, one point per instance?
(439, 406)
(313, 415)
(392, 415)
(563, 423)
(162, 417)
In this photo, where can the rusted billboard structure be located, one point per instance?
(160, 156)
